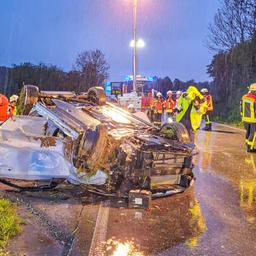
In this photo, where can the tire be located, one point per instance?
(97, 95)
(28, 97)
(176, 131)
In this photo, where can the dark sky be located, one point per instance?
(55, 31)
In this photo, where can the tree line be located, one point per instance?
(165, 84)
(90, 69)
(232, 38)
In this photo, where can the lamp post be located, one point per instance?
(135, 44)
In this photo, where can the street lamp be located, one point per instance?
(139, 44)
(135, 44)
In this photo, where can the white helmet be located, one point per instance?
(159, 94)
(169, 92)
(204, 90)
(178, 92)
(130, 106)
(14, 98)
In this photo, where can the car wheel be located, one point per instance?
(97, 95)
(28, 97)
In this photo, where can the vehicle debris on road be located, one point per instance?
(83, 139)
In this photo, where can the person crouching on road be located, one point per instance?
(207, 116)
(157, 107)
(3, 108)
(13, 105)
(190, 108)
(248, 113)
(169, 105)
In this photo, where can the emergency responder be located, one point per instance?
(191, 106)
(248, 113)
(178, 94)
(13, 105)
(169, 105)
(3, 108)
(157, 108)
(206, 117)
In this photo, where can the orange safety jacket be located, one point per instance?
(3, 108)
(158, 105)
(209, 103)
(146, 103)
(169, 105)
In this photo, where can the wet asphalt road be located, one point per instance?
(216, 216)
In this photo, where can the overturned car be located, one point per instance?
(83, 139)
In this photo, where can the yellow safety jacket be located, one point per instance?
(196, 113)
(248, 108)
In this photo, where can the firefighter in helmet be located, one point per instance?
(190, 108)
(169, 105)
(248, 113)
(157, 108)
(13, 105)
(208, 99)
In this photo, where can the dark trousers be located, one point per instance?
(208, 122)
(250, 133)
(157, 118)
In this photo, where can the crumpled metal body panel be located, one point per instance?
(25, 153)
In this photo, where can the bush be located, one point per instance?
(10, 223)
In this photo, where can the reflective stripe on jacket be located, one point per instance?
(157, 106)
(169, 105)
(248, 108)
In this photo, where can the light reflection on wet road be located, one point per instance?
(215, 217)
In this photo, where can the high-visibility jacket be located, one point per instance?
(196, 115)
(248, 108)
(3, 108)
(146, 103)
(169, 105)
(209, 103)
(197, 110)
(12, 111)
(157, 105)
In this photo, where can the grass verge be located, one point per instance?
(10, 222)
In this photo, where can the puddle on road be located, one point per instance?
(225, 155)
(122, 248)
(170, 221)
(203, 220)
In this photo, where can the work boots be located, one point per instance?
(208, 127)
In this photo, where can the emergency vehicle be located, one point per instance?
(141, 99)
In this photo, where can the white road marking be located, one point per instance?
(100, 231)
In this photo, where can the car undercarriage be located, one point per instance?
(85, 140)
